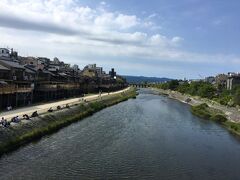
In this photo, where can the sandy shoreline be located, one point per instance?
(232, 113)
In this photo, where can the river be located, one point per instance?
(151, 137)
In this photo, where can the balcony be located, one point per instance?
(11, 89)
(57, 86)
(46, 87)
(69, 86)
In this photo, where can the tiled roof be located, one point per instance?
(5, 58)
(31, 67)
(12, 64)
(3, 68)
(28, 70)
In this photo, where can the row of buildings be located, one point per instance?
(25, 80)
(228, 81)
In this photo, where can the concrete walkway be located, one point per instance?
(43, 108)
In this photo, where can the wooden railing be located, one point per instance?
(10, 89)
(53, 87)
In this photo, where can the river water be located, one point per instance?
(151, 137)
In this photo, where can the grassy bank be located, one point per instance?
(232, 127)
(14, 137)
(206, 112)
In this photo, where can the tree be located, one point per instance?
(207, 90)
(173, 84)
(164, 86)
(183, 88)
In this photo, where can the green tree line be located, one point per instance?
(204, 90)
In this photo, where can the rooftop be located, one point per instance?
(12, 64)
(3, 68)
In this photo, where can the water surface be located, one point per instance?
(151, 137)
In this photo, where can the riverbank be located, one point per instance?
(229, 117)
(49, 122)
(44, 107)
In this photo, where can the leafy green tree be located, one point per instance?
(207, 90)
(193, 88)
(173, 84)
(183, 88)
(164, 86)
(224, 97)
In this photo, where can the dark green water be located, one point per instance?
(151, 137)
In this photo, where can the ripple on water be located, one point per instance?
(151, 137)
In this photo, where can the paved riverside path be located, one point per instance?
(42, 108)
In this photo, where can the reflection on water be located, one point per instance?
(151, 137)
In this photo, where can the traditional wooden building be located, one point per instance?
(17, 89)
(25, 80)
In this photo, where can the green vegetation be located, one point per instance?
(205, 90)
(204, 111)
(220, 118)
(215, 93)
(202, 89)
(233, 127)
(236, 97)
(50, 123)
(201, 111)
(224, 97)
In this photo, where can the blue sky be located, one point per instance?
(163, 38)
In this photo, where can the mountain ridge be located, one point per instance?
(141, 79)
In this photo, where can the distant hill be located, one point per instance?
(141, 79)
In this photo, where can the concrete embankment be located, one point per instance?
(229, 117)
(178, 96)
(47, 123)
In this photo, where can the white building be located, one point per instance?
(91, 66)
(99, 71)
(4, 52)
(75, 67)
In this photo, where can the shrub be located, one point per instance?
(225, 100)
(201, 111)
(204, 111)
(219, 118)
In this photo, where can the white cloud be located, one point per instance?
(152, 15)
(125, 21)
(114, 21)
(68, 18)
(66, 29)
(163, 41)
(103, 3)
(176, 40)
